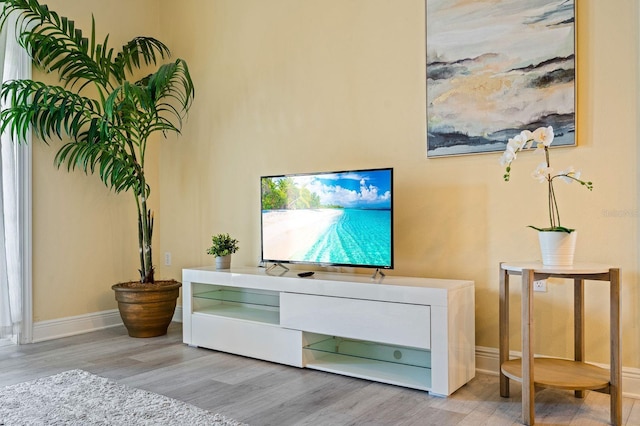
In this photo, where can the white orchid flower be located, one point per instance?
(527, 138)
(515, 144)
(542, 172)
(543, 136)
(507, 158)
(569, 175)
(509, 154)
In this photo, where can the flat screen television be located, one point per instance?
(328, 218)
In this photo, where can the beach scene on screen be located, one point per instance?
(334, 218)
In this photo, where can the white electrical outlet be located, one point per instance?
(167, 258)
(540, 285)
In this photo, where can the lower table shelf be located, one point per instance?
(367, 360)
(560, 374)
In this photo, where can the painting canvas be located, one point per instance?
(495, 68)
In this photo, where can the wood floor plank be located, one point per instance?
(634, 413)
(352, 408)
(263, 393)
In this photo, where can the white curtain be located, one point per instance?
(15, 180)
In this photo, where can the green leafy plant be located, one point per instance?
(222, 245)
(542, 137)
(104, 112)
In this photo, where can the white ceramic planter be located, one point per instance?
(557, 248)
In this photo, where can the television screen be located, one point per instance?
(329, 218)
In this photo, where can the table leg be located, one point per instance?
(616, 367)
(578, 325)
(528, 389)
(504, 330)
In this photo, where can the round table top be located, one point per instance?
(576, 268)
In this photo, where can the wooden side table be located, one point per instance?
(558, 373)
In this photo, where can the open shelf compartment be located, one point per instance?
(239, 303)
(398, 365)
(237, 295)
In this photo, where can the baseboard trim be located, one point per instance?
(487, 361)
(71, 326)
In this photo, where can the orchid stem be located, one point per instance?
(554, 212)
(551, 218)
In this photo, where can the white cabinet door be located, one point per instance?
(262, 341)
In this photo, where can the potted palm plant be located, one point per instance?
(105, 112)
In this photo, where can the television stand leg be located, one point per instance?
(375, 274)
(273, 266)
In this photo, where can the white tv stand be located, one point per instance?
(412, 332)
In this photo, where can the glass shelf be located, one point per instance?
(246, 304)
(243, 313)
(374, 351)
(397, 365)
(238, 295)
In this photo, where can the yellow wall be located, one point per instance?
(288, 86)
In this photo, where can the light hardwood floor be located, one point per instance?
(262, 393)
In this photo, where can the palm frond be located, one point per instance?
(96, 152)
(137, 52)
(155, 103)
(172, 92)
(173, 81)
(52, 110)
(56, 45)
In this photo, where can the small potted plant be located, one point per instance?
(222, 247)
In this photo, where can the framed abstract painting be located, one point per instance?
(495, 68)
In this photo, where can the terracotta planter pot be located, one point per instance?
(147, 309)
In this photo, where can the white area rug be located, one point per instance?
(79, 398)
